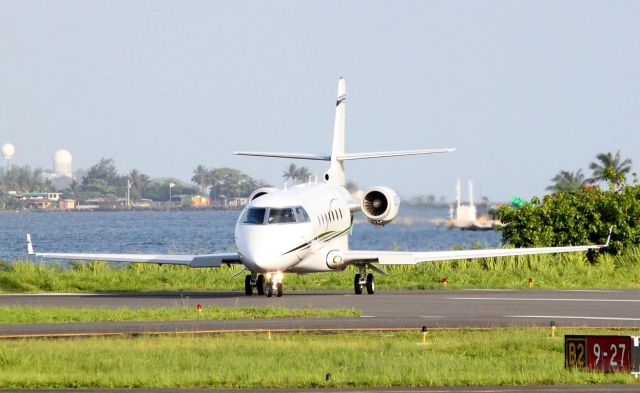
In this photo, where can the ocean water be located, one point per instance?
(205, 232)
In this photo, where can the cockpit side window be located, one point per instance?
(254, 216)
(302, 214)
(281, 216)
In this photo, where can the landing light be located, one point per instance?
(337, 259)
(277, 276)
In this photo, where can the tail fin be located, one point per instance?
(335, 174)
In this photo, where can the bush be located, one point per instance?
(576, 218)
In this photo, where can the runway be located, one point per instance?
(384, 310)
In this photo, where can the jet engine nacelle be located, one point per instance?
(380, 205)
(261, 191)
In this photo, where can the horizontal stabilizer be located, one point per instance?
(361, 156)
(344, 157)
(299, 156)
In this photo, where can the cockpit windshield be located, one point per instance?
(254, 216)
(284, 215)
(281, 216)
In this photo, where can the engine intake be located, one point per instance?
(380, 205)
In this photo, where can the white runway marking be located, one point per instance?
(367, 316)
(70, 294)
(589, 290)
(570, 317)
(547, 300)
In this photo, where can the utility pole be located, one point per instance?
(128, 192)
(171, 185)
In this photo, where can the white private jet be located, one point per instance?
(305, 228)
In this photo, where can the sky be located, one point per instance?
(521, 89)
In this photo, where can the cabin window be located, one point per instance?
(254, 216)
(302, 214)
(281, 216)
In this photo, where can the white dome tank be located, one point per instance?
(8, 150)
(62, 163)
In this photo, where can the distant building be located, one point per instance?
(200, 201)
(143, 203)
(67, 204)
(39, 200)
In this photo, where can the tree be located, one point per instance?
(230, 183)
(610, 168)
(25, 179)
(303, 174)
(575, 218)
(290, 173)
(139, 183)
(201, 177)
(566, 181)
(103, 178)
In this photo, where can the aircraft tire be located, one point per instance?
(356, 284)
(269, 289)
(279, 289)
(260, 285)
(371, 286)
(248, 289)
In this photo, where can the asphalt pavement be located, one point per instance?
(384, 310)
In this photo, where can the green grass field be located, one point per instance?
(451, 357)
(19, 315)
(547, 271)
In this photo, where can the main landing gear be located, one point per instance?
(364, 280)
(269, 285)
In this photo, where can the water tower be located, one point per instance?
(62, 163)
(8, 150)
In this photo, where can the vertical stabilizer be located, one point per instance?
(335, 174)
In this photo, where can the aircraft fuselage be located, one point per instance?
(293, 229)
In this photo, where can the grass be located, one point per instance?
(548, 271)
(451, 357)
(19, 315)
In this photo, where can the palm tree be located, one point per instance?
(610, 168)
(566, 181)
(215, 178)
(139, 183)
(201, 177)
(303, 174)
(291, 173)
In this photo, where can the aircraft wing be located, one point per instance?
(202, 260)
(412, 258)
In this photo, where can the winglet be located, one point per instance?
(608, 237)
(29, 245)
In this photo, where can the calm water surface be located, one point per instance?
(205, 231)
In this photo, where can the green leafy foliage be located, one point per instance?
(580, 217)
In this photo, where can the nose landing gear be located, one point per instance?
(364, 280)
(269, 285)
(274, 284)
